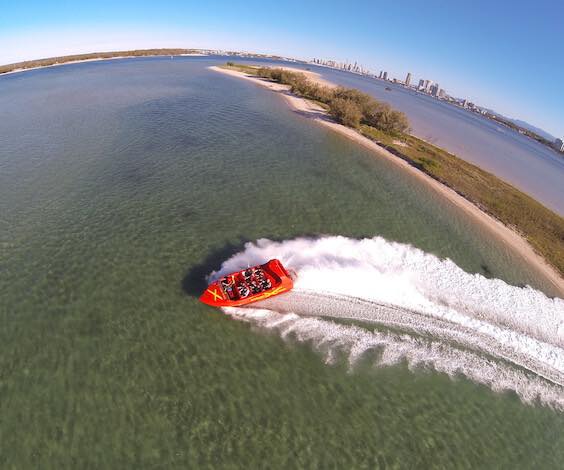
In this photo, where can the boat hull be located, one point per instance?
(249, 285)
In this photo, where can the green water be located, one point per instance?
(122, 184)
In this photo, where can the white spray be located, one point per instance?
(500, 335)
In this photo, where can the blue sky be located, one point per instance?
(506, 55)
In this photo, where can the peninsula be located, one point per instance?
(520, 221)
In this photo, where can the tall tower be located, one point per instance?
(408, 79)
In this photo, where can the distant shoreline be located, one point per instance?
(90, 57)
(35, 64)
(28, 69)
(319, 115)
(95, 56)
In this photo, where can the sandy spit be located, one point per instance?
(315, 112)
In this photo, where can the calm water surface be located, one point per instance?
(122, 184)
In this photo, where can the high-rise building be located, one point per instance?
(442, 93)
(559, 145)
(427, 84)
(381, 74)
(385, 76)
(421, 84)
(408, 79)
(434, 89)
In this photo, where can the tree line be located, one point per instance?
(348, 106)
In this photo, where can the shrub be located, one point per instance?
(383, 117)
(323, 94)
(374, 113)
(299, 84)
(265, 72)
(351, 94)
(348, 105)
(394, 122)
(345, 111)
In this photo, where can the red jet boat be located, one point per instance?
(249, 285)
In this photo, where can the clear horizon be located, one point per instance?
(507, 56)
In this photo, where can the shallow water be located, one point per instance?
(123, 184)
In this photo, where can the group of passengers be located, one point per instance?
(254, 281)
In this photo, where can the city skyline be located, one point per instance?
(482, 52)
(434, 89)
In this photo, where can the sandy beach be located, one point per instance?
(318, 114)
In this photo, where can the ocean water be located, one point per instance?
(124, 184)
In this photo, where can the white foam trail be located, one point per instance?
(455, 322)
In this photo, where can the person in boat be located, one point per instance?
(259, 273)
(228, 286)
(256, 288)
(243, 290)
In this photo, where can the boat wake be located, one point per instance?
(355, 297)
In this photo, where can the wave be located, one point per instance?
(430, 313)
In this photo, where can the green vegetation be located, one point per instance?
(543, 229)
(346, 112)
(348, 106)
(94, 55)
